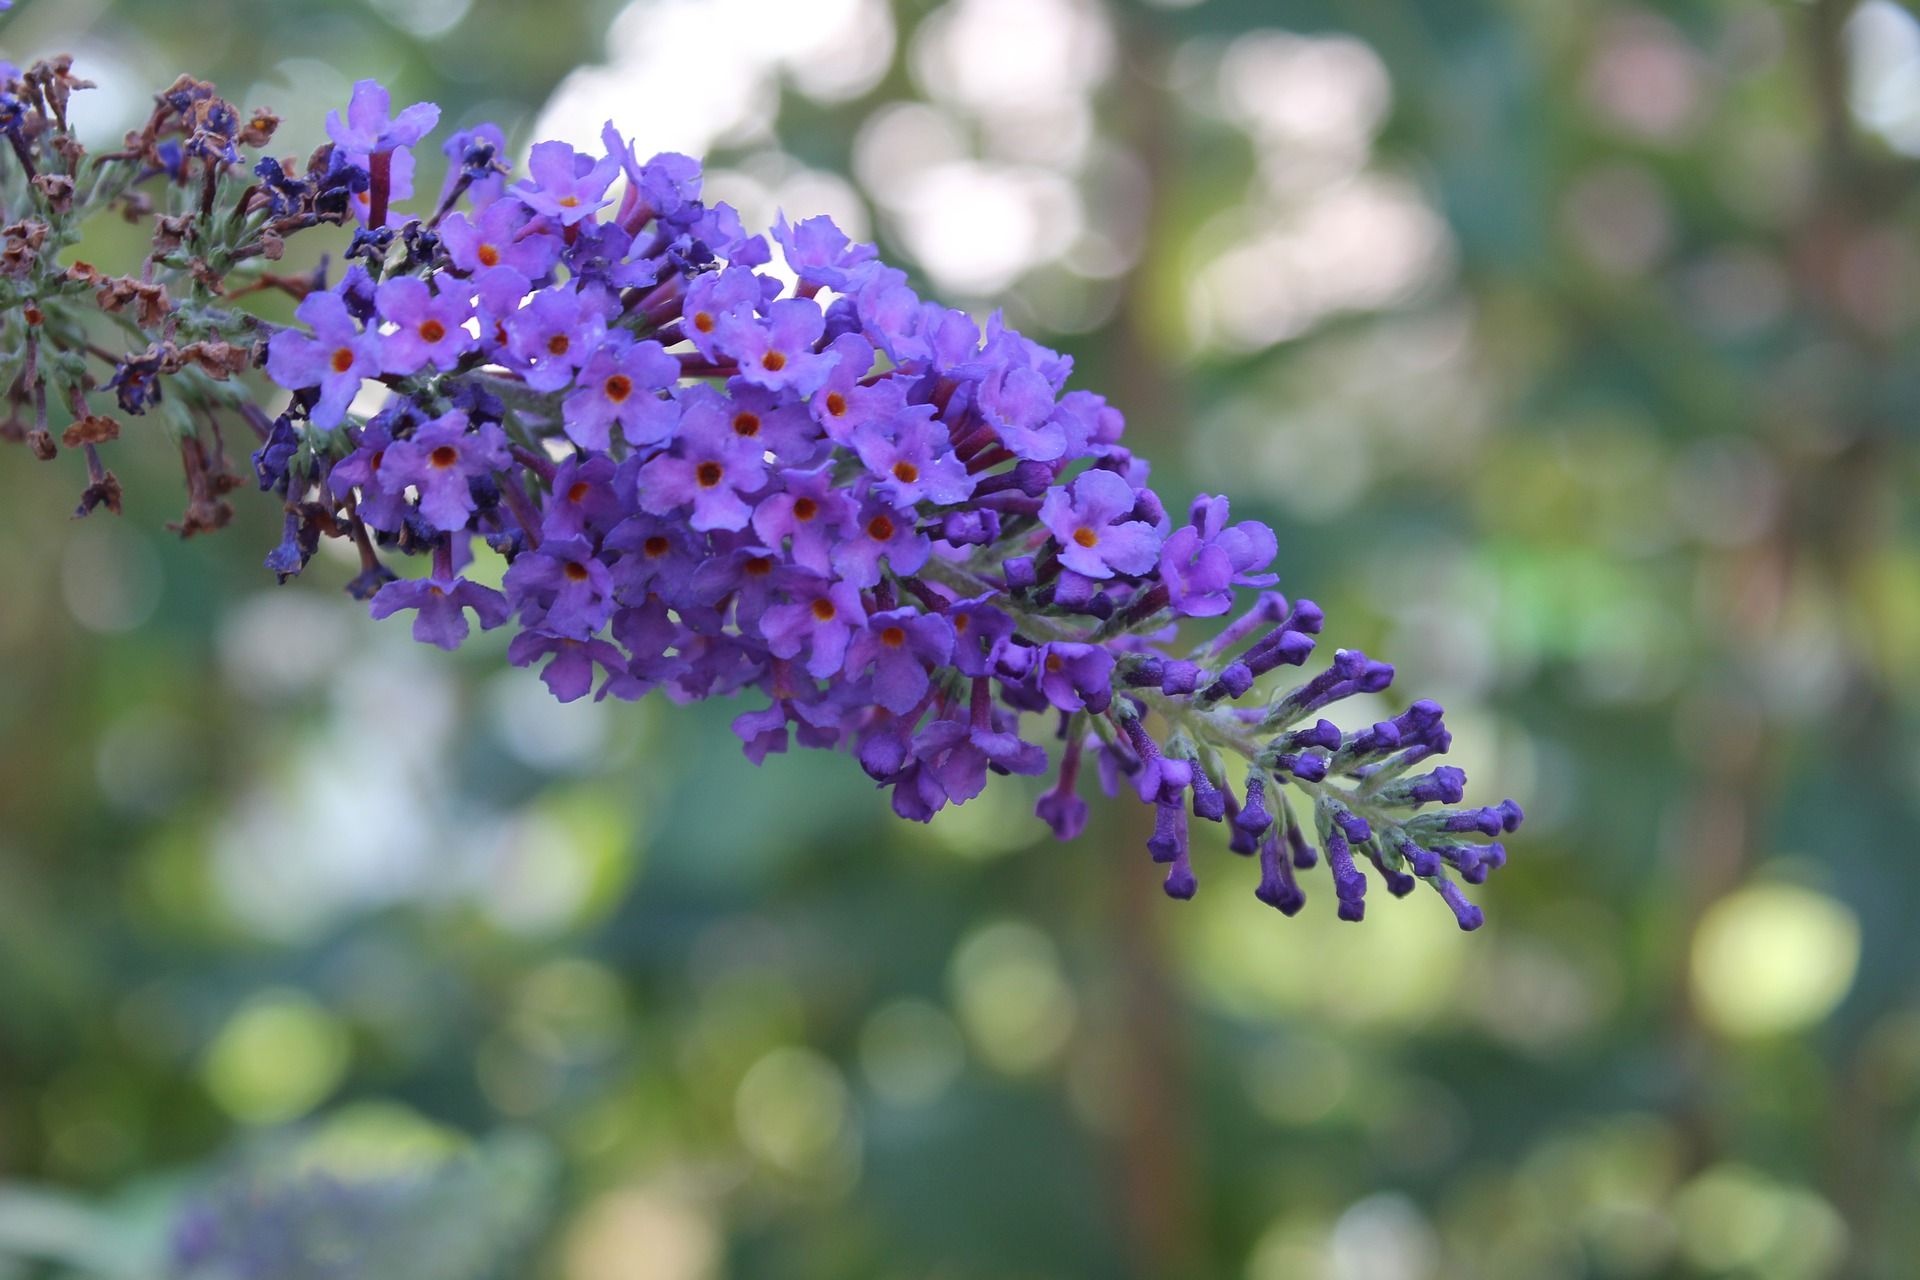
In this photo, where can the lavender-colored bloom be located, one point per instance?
(569, 676)
(807, 514)
(777, 352)
(561, 587)
(881, 534)
(1203, 561)
(476, 155)
(710, 469)
(554, 334)
(900, 645)
(1076, 676)
(370, 125)
(565, 185)
(439, 460)
(441, 604)
(1088, 522)
(499, 237)
(820, 253)
(336, 359)
(584, 502)
(820, 618)
(716, 298)
(658, 557)
(428, 328)
(915, 463)
(620, 383)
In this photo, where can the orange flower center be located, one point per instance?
(488, 255)
(703, 321)
(558, 344)
(656, 546)
(746, 423)
(836, 404)
(805, 508)
(893, 637)
(773, 361)
(576, 571)
(823, 609)
(880, 529)
(758, 567)
(443, 457)
(432, 331)
(569, 202)
(1085, 537)
(342, 359)
(579, 491)
(619, 387)
(708, 474)
(905, 472)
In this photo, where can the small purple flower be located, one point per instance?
(1018, 403)
(561, 587)
(439, 460)
(499, 237)
(1202, 562)
(781, 426)
(370, 127)
(915, 462)
(554, 334)
(583, 502)
(819, 618)
(335, 359)
(1076, 676)
(383, 500)
(620, 383)
(441, 603)
(657, 557)
(777, 353)
(570, 675)
(711, 468)
(1088, 521)
(808, 510)
(717, 296)
(821, 254)
(832, 405)
(565, 185)
(428, 328)
(899, 645)
(880, 533)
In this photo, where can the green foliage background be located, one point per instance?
(358, 960)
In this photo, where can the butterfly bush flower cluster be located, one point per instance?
(716, 463)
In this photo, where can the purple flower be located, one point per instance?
(439, 460)
(554, 334)
(561, 587)
(832, 405)
(711, 468)
(441, 603)
(880, 533)
(777, 353)
(808, 511)
(915, 463)
(570, 675)
(369, 126)
(475, 154)
(584, 502)
(428, 328)
(1202, 562)
(899, 645)
(566, 185)
(620, 383)
(715, 297)
(383, 501)
(1088, 522)
(818, 618)
(499, 237)
(820, 253)
(1018, 404)
(658, 557)
(1076, 676)
(335, 359)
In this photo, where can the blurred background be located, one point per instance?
(1569, 349)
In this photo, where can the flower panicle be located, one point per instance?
(897, 525)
